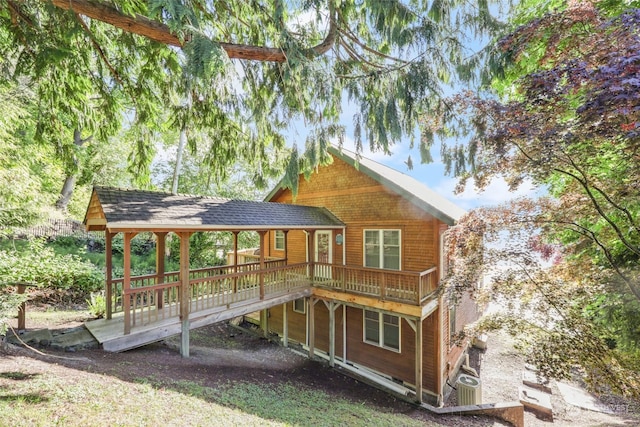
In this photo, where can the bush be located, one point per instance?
(40, 266)
(97, 305)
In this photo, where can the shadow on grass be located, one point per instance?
(24, 398)
(17, 376)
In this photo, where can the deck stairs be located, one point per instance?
(110, 333)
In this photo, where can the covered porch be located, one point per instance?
(148, 308)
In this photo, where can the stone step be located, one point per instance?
(537, 402)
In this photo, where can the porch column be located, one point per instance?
(160, 250)
(185, 299)
(286, 247)
(262, 234)
(418, 358)
(126, 284)
(311, 251)
(235, 261)
(108, 252)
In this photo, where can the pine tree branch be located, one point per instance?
(160, 32)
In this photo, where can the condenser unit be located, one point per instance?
(469, 390)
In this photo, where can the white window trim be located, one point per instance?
(380, 342)
(304, 306)
(381, 235)
(452, 310)
(275, 240)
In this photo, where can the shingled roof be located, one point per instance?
(400, 183)
(125, 209)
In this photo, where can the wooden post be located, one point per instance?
(22, 310)
(286, 247)
(108, 252)
(185, 299)
(418, 360)
(312, 327)
(312, 255)
(264, 322)
(160, 250)
(332, 333)
(126, 284)
(262, 239)
(439, 346)
(344, 333)
(235, 261)
(285, 325)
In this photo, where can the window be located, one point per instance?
(382, 249)
(452, 324)
(382, 330)
(299, 305)
(278, 240)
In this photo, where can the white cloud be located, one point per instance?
(496, 193)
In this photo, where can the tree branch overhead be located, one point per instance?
(159, 32)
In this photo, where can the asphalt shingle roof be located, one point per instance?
(124, 208)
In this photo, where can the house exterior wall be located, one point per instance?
(363, 203)
(398, 365)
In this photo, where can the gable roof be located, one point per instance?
(122, 209)
(400, 183)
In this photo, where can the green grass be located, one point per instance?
(67, 397)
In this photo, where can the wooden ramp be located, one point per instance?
(110, 333)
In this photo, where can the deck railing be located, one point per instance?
(209, 289)
(150, 280)
(402, 286)
(147, 302)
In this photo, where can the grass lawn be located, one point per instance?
(38, 393)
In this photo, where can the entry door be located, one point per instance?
(323, 254)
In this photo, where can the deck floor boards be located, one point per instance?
(110, 333)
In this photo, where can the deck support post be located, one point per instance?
(160, 255)
(108, 252)
(285, 324)
(418, 360)
(344, 333)
(312, 327)
(264, 322)
(184, 294)
(332, 332)
(126, 283)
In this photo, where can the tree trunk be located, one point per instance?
(70, 179)
(176, 171)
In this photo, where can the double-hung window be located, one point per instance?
(278, 240)
(382, 330)
(382, 249)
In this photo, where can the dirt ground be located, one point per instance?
(222, 353)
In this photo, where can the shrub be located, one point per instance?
(97, 305)
(40, 266)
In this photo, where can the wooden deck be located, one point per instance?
(146, 309)
(110, 333)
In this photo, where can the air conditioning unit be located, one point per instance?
(469, 390)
